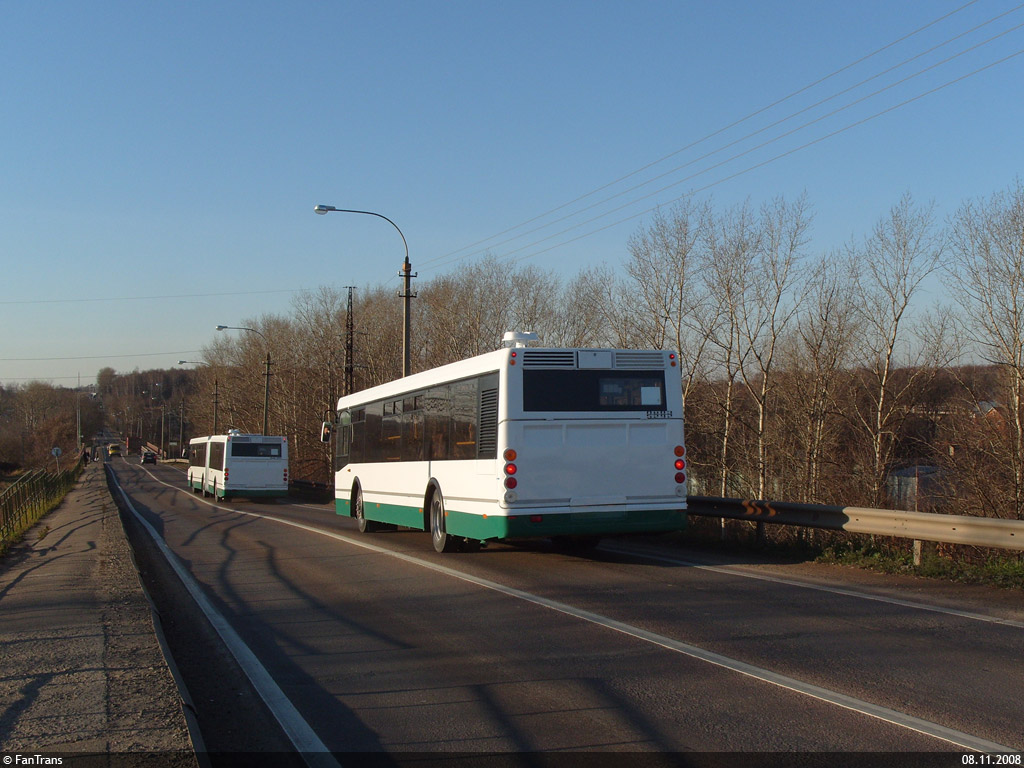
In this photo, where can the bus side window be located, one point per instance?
(373, 445)
(464, 414)
(357, 450)
(412, 430)
(437, 412)
(343, 440)
(391, 431)
(217, 456)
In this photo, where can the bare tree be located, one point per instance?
(902, 251)
(378, 330)
(818, 356)
(767, 306)
(733, 240)
(468, 312)
(582, 316)
(988, 240)
(666, 265)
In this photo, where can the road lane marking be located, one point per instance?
(734, 571)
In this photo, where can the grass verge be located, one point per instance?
(948, 562)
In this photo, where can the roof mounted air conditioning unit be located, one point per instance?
(518, 338)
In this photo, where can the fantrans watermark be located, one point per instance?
(32, 760)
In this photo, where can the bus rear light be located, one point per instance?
(680, 477)
(680, 464)
(536, 518)
(511, 469)
(225, 475)
(680, 451)
(510, 454)
(286, 476)
(511, 482)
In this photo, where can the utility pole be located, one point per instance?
(266, 396)
(349, 345)
(215, 401)
(406, 294)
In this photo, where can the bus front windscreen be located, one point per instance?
(547, 391)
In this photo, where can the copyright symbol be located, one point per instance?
(8, 759)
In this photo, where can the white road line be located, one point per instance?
(894, 717)
(733, 571)
(301, 734)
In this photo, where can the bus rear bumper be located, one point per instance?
(576, 522)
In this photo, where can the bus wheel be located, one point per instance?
(441, 540)
(364, 525)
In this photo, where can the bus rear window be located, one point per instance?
(257, 450)
(593, 390)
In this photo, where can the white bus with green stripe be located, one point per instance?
(238, 465)
(523, 442)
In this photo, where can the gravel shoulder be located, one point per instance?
(83, 670)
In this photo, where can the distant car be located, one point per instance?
(148, 457)
(113, 449)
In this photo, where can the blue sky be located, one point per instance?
(177, 149)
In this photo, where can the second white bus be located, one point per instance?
(570, 444)
(235, 464)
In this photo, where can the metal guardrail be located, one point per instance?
(31, 496)
(920, 526)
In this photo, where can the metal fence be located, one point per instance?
(919, 526)
(31, 496)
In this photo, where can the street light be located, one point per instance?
(405, 273)
(266, 389)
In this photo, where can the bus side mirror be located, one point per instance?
(325, 432)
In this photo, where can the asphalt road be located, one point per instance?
(384, 646)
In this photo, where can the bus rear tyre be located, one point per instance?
(438, 535)
(364, 525)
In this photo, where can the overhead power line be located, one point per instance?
(752, 134)
(452, 256)
(752, 167)
(150, 298)
(96, 357)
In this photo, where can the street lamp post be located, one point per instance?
(266, 389)
(405, 273)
